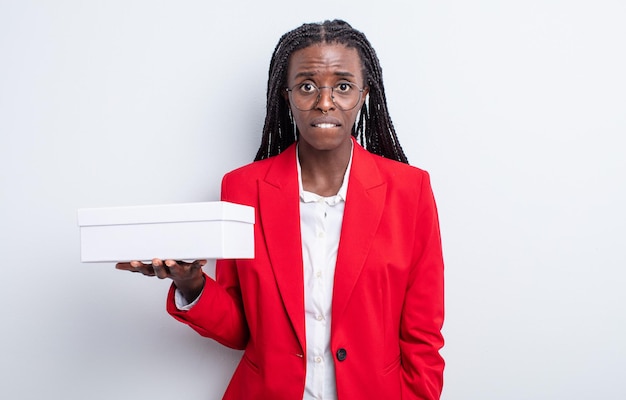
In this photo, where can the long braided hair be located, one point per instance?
(373, 128)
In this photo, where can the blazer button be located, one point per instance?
(342, 354)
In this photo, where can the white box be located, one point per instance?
(190, 231)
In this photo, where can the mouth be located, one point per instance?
(325, 123)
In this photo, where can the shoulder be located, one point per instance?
(281, 163)
(240, 185)
(398, 168)
(396, 172)
(405, 184)
(278, 171)
(248, 171)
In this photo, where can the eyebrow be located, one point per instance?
(309, 74)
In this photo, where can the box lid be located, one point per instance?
(150, 214)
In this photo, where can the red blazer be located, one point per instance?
(387, 309)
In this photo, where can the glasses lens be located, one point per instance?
(345, 95)
(304, 96)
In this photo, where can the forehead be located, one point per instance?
(324, 58)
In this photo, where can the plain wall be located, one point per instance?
(516, 108)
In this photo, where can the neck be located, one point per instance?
(323, 170)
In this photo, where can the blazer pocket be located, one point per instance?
(251, 364)
(394, 365)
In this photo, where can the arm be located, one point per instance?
(218, 313)
(422, 315)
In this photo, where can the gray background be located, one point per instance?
(517, 108)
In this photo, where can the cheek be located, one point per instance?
(298, 119)
(355, 114)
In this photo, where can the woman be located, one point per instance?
(344, 298)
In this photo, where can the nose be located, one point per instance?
(325, 101)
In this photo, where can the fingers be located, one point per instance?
(177, 268)
(124, 266)
(163, 269)
(174, 269)
(136, 266)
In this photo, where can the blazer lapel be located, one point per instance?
(365, 202)
(280, 217)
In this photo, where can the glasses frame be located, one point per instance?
(319, 95)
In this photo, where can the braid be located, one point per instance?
(373, 128)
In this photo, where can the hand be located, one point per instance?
(187, 277)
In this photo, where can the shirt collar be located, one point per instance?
(343, 190)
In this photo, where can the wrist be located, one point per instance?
(191, 288)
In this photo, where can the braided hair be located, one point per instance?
(373, 127)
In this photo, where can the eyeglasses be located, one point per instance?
(305, 96)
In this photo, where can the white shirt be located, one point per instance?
(320, 224)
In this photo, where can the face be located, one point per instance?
(326, 126)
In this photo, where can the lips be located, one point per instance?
(325, 122)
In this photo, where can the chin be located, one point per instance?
(326, 141)
(325, 145)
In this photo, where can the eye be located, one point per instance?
(343, 87)
(307, 88)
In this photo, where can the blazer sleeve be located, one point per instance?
(219, 313)
(423, 312)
